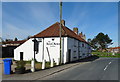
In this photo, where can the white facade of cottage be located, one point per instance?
(49, 48)
(74, 47)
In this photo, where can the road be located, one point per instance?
(101, 69)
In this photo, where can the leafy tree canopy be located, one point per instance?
(6, 40)
(15, 39)
(101, 41)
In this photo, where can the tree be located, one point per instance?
(15, 39)
(89, 40)
(101, 41)
(6, 40)
(28, 37)
(1, 40)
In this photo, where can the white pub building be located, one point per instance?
(74, 46)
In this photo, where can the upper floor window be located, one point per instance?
(52, 39)
(74, 43)
(89, 48)
(82, 45)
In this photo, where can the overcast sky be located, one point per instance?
(28, 18)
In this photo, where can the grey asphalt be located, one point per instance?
(101, 69)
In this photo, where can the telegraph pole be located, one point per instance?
(60, 31)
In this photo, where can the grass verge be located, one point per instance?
(106, 54)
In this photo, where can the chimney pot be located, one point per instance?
(82, 36)
(63, 22)
(75, 30)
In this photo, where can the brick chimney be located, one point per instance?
(82, 36)
(63, 22)
(75, 30)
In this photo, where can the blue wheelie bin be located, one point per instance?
(7, 66)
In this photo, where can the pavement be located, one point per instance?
(1, 61)
(92, 68)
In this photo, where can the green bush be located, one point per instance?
(47, 65)
(29, 61)
(20, 64)
(106, 54)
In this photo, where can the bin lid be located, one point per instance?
(7, 59)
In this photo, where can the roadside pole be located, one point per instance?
(60, 31)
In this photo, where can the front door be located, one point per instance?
(69, 55)
(21, 55)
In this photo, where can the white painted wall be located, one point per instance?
(49, 49)
(73, 45)
(26, 48)
(53, 50)
(77, 47)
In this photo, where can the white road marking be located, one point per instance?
(109, 62)
(105, 68)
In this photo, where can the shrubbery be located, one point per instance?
(106, 54)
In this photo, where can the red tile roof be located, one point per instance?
(53, 31)
(115, 48)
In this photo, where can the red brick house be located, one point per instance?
(115, 49)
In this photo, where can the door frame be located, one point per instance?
(69, 55)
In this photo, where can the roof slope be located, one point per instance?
(15, 42)
(53, 31)
(115, 48)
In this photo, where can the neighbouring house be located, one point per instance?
(114, 49)
(0, 51)
(8, 47)
(14, 43)
(74, 47)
